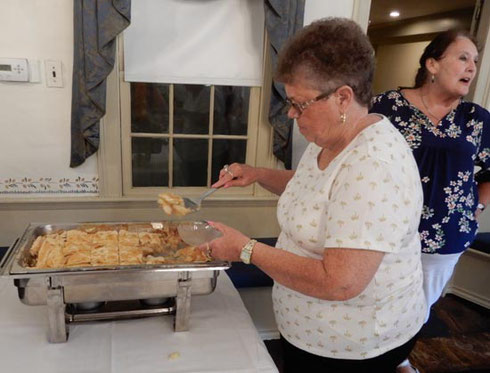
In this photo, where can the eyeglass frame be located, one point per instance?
(300, 107)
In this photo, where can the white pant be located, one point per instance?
(437, 269)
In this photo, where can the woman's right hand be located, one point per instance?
(236, 174)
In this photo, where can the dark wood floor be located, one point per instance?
(455, 339)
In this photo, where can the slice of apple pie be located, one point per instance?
(172, 204)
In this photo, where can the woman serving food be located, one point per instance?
(348, 279)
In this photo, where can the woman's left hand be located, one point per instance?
(227, 247)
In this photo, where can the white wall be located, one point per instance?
(35, 119)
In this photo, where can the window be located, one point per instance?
(182, 135)
(179, 136)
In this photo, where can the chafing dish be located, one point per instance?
(63, 289)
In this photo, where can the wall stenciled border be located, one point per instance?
(48, 185)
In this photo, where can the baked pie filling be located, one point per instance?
(173, 204)
(109, 247)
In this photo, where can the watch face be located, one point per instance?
(246, 253)
(245, 256)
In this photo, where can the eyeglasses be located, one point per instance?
(300, 107)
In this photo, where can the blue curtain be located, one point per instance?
(96, 25)
(282, 18)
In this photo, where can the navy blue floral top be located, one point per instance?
(446, 155)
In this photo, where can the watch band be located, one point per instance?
(246, 253)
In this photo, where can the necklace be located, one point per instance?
(428, 110)
(438, 118)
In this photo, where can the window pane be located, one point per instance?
(191, 108)
(190, 162)
(227, 152)
(149, 108)
(231, 110)
(150, 162)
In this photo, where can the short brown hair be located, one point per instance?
(329, 53)
(436, 49)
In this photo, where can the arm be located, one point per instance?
(341, 274)
(242, 175)
(274, 181)
(482, 177)
(483, 195)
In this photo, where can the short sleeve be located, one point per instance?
(483, 155)
(374, 205)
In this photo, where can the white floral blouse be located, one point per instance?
(368, 198)
(446, 155)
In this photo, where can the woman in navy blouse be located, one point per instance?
(448, 137)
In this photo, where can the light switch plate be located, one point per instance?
(34, 71)
(54, 73)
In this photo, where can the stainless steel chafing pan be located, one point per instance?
(59, 288)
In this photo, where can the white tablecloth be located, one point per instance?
(222, 338)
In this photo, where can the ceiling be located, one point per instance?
(380, 9)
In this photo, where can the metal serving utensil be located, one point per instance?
(196, 233)
(194, 204)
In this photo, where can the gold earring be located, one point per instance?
(343, 118)
(432, 78)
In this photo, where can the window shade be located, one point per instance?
(195, 42)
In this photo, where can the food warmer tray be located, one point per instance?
(66, 290)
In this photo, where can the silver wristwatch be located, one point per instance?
(246, 253)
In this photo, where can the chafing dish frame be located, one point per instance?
(58, 287)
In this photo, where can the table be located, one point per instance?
(222, 338)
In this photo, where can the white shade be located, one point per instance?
(195, 42)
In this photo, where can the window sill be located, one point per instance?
(143, 202)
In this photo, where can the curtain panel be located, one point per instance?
(282, 18)
(96, 26)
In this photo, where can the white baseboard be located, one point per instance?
(469, 296)
(471, 278)
(266, 335)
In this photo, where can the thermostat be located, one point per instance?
(14, 70)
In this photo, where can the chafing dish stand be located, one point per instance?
(61, 289)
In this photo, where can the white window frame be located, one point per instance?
(115, 156)
(128, 135)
